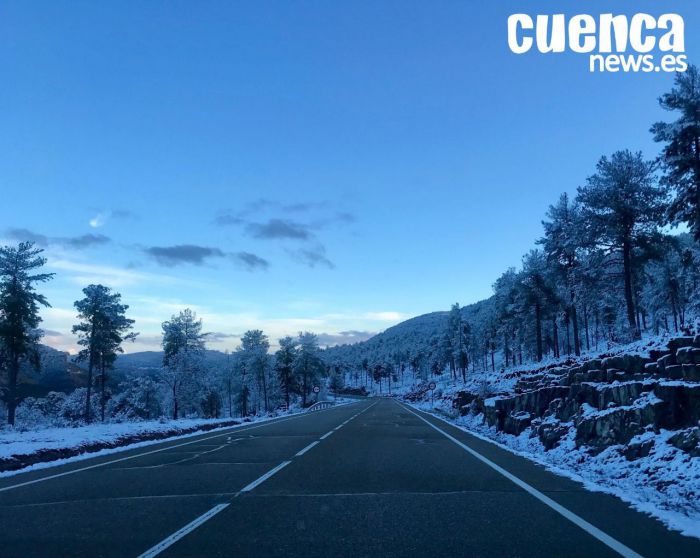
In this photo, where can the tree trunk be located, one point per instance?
(89, 390)
(12, 389)
(102, 389)
(574, 319)
(538, 331)
(627, 270)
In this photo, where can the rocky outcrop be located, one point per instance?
(605, 401)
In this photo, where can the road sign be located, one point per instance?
(431, 385)
(316, 389)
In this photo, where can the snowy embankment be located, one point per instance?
(651, 465)
(21, 451)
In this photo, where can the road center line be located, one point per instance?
(307, 448)
(172, 539)
(591, 529)
(266, 476)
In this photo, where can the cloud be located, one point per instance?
(301, 207)
(86, 240)
(252, 262)
(312, 257)
(228, 219)
(217, 336)
(25, 235)
(76, 242)
(344, 337)
(170, 256)
(278, 228)
(101, 218)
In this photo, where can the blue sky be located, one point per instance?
(325, 166)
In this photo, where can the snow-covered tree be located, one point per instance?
(253, 354)
(681, 152)
(309, 366)
(622, 208)
(102, 329)
(19, 314)
(284, 365)
(183, 348)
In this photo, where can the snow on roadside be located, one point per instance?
(665, 484)
(31, 442)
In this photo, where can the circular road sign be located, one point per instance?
(431, 385)
(316, 389)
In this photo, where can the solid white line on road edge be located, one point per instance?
(266, 476)
(592, 530)
(126, 448)
(307, 448)
(172, 539)
(326, 435)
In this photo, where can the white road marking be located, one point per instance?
(119, 460)
(266, 476)
(172, 539)
(307, 448)
(592, 530)
(154, 551)
(326, 435)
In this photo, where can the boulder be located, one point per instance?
(651, 367)
(687, 440)
(680, 342)
(688, 355)
(691, 372)
(615, 426)
(516, 421)
(636, 450)
(550, 433)
(680, 404)
(675, 372)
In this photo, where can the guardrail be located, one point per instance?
(319, 405)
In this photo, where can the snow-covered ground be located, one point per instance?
(664, 484)
(15, 442)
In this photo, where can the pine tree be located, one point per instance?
(562, 244)
(622, 207)
(253, 352)
(19, 313)
(308, 364)
(681, 152)
(183, 348)
(102, 330)
(284, 366)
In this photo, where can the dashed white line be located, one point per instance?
(266, 476)
(592, 530)
(326, 435)
(172, 539)
(307, 448)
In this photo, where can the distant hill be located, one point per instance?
(419, 335)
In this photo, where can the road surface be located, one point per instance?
(373, 478)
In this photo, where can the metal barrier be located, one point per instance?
(319, 405)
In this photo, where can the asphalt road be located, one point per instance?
(373, 478)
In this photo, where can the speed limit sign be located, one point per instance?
(431, 385)
(316, 389)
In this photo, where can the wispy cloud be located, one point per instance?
(314, 256)
(79, 242)
(170, 256)
(251, 262)
(278, 229)
(344, 337)
(102, 216)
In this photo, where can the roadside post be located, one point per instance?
(316, 390)
(432, 386)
